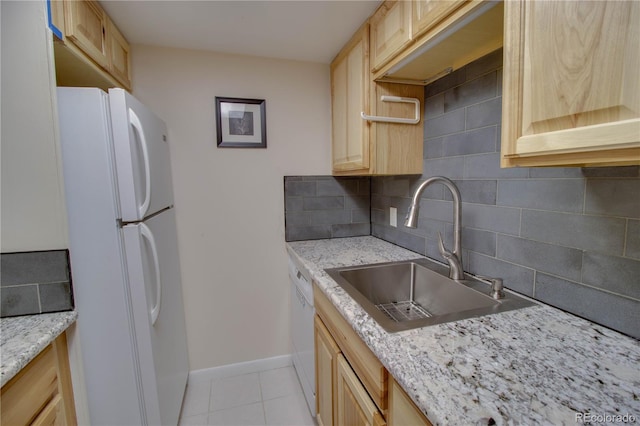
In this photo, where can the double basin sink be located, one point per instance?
(418, 293)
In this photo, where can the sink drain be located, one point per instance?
(403, 311)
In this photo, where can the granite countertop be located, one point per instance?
(23, 338)
(536, 365)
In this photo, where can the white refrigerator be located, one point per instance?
(124, 257)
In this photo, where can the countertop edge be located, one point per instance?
(24, 337)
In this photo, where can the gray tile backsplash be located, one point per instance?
(569, 237)
(35, 282)
(326, 207)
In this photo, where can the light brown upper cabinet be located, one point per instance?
(350, 96)
(571, 86)
(86, 26)
(427, 13)
(119, 56)
(92, 51)
(390, 31)
(444, 35)
(361, 147)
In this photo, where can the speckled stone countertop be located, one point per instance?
(536, 365)
(23, 338)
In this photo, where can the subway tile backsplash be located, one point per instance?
(326, 207)
(35, 282)
(569, 237)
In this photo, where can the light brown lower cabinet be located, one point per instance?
(355, 407)
(326, 372)
(41, 393)
(402, 411)
(352, 386)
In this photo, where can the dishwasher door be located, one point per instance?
(302, 312)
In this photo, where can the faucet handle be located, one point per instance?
(443, 251)
(455, 263)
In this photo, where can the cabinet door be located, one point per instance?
(427, 13)
(326, 369)
(86, 26)
(350, 97)
(119, 57)
(398, 148)
(354, 406)
(390, 31)
(41, 393)
(402, 411)
(571, 92)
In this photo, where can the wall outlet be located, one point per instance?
(393, 217)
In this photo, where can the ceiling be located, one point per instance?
(305, 30)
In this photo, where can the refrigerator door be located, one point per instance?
(153, 268)
(97, 258)
(142, 157)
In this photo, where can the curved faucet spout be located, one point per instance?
(453, 258)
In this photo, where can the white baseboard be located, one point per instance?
(230, 370)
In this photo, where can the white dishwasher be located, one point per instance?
(302, 312)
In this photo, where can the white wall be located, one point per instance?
(230, 202)
(33, 211)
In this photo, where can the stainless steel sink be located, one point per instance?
(417, 293)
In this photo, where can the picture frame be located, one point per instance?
(241, 123)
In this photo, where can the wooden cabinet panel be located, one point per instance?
(326, 370)
(119, 56)
(24, 396)
(349, 97)
(571, 83)
(427, 13)
(402, 411)
(398, 147)
(354, 407)
(86, 26)
(41, 393)
(390, 31)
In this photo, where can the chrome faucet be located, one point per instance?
(453, 258)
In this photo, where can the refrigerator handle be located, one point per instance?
(146, 233)
(135, 122)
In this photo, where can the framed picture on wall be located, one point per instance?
(241, 123)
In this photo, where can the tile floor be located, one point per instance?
(271, 397)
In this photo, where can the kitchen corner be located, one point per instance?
(537, 364)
